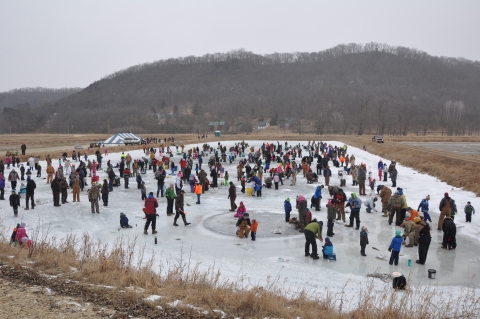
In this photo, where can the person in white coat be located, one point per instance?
(370, 203)
(31, 163)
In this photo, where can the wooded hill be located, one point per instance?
(349, 89)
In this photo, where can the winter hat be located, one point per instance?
(182, 191)
(428, 197)
(398, 233)
(446, 194)
(122, 214)
(13, 190)
(241, 203)
(23, 225)
(354, 195)
(417, 219)
(246, 215)
(409, 209)
(288, 200)
(150, 194)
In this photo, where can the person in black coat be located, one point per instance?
(122, 168)
(14, 202)
(55, 186)
(449, 233)
(213, 175)
(30, 192)
(105, 192)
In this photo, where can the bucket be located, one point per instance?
(432, 273)
(249, 191)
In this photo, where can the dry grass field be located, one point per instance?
(113, 284)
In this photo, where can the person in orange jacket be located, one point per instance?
(198, 190)
(253, 229)
(413, 213)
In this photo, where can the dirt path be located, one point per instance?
(19, 300)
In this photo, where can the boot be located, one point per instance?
(154, 232)
(175, 222)
(185, 221)
(145, 232)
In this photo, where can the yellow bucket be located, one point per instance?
(249, 191)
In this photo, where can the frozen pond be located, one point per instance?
(210, 239)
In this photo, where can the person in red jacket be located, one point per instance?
(150, 212)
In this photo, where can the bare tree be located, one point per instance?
(453, 115)
(363, 108)
(381, 117)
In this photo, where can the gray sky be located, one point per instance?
(57, 43)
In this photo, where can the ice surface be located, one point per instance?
(210, 238)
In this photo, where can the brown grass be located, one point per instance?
(91, 263)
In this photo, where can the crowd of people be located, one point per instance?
(268, 166)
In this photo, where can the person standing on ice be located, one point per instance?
(446, 207)
(179, 209)
(355, 205)
(380, 170)
(93, 196)
(469, 210)
(317, 196)
(170, 195)
(232, 195)
(423, 207)
(105, 192)
(363, 240)
(313, 231)
(395, 247)
(14, 202)
(302, 212)
(149, 209)
(423, 238)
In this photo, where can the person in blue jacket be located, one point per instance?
(124, 221)
(288, 208)
(327, 248)
(423, 207)
(395, 247)
(317, 197)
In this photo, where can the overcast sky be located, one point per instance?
(57, 43)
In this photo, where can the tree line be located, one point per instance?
(348, 89)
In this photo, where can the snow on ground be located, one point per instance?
(277, 261)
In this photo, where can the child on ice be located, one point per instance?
(363, 240)
(288, 208)
(253, 229)
(124, 221)
(469, 210)
(395, 247)
(327, 248)
(423, 207)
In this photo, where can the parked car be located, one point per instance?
(78, 147)
(377, 138)
(131, 141)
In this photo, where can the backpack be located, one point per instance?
(468, 209)
(399, 283)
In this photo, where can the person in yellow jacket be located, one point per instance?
(50, 172)
(198, 191)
